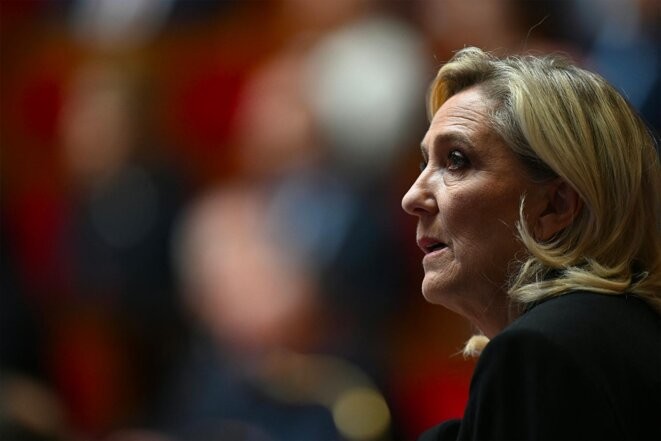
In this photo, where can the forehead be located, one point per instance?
(466, 113)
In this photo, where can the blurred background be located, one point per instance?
(201, 232)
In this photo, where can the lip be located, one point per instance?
(427, 244)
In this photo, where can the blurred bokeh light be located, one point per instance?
(201, 232)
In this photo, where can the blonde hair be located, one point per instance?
(563, 121)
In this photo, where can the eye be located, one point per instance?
(423, 165)
(457, 160)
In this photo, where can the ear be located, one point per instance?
(562, 205)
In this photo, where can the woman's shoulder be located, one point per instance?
(595, 328)
(585, 317)
(611, 342)
(580, 366)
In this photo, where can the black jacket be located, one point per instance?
(578, 366)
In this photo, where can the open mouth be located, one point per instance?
(429, 245)
(435, 247)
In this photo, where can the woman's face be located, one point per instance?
(467, 202)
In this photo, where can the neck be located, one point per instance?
(495, 317)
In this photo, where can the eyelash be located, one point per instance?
(456, 161)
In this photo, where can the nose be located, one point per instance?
(419, 200)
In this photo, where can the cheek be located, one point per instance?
(482, 226)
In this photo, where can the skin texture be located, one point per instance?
(467, 196)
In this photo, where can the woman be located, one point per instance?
(538, 214)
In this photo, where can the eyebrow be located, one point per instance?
(449, 137)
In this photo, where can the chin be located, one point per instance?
(444, 296)
(436, 294)
(431, 297)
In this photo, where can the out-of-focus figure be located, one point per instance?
(275, 129)
(254, 369)
(320, 136)
(113, 336)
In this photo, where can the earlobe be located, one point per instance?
(563, 204)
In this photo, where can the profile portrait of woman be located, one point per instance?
(538, 207)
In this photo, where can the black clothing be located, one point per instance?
(578, 366)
